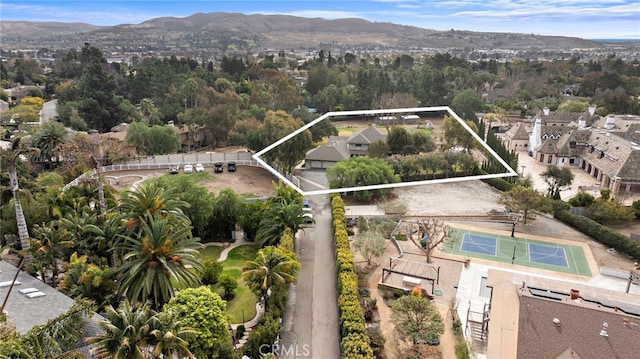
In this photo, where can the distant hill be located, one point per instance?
(239, 32)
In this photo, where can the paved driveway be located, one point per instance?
(310, 324)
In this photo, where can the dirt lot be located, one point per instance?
(247, 180)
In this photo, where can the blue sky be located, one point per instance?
(591, 19)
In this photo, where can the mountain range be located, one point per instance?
(215, 32)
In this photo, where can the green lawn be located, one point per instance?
(244, 299)
(211, 252)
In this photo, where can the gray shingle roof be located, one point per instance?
(518, 132)
(331, 152)
(25, 312)
(578, 331)
(367, 136)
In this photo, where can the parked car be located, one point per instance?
(307, 217)
(174, 169)
(188, 169)
(306, 203)
(199, 167)
(231, 166)
(217, 167)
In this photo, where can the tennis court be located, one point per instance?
(522, 251)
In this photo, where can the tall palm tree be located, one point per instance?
(11, 157)
(272, 267)
(160, 258)
(98, 167)
(148, 200)
(126, 332)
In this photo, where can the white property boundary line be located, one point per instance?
(510, 172)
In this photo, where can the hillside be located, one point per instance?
(238, 32)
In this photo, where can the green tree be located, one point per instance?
(48, 141)
(423, 142)
(49, 242)
(88, 280)
(606, 211)
(250, 217)
(362, 171)
(159, 259)
(272, 267)
(466, 104)
(417, 319)
(370, 245)
(521, 198)
(279, 216)
(11, 157)
(277, 125)
(169, 336)
(125, 332)
(203, 311)
(558, 179)
(201, 202)
(154, 140)
(226, 210)
(457, 136)
(98, 105)
(399, 141)
(379, 149)
(229, 284)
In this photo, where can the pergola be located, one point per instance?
(414, 269)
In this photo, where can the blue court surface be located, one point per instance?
(479, 244)
(551, 255)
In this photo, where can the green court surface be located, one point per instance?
(521, 251)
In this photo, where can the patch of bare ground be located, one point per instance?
(245, 181)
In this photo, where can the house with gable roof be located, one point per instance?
(327, 156)
(602, 147)
(517, 138)
(539, 317)
(358, 143)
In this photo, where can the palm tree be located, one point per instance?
(48, 141)
(49, 241)
(11, 156)
(272, 267)
(161, 257)
(169, 336)
(126, 332)
(280, 216)
(148, 200)
(98, 167)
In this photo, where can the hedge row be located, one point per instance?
(605, 235)
(355, 341)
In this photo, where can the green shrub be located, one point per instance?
(581, 199)
(356, 346)
(500, 184)
(457, 327)
(211, 272)
(607, 236)
(462, 350)
(636, 207)
(239, 331)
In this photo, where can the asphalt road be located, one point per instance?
(310, 325)
(48, 112)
